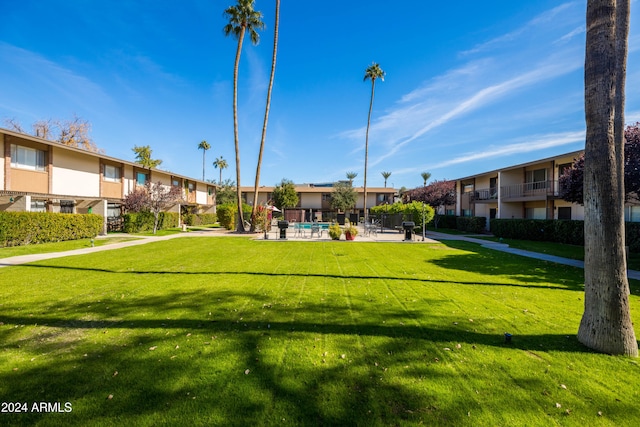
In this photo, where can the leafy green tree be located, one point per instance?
(343, 196)
(606, 324)
(143, 156)
(242, 18)
(373, 72)
(220, 163)
(226, 194)
(204, 146)
(256, 186)
(285, 195)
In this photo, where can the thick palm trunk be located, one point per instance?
(266, 117)
(366, 147)
(606, 323)
(240, 225)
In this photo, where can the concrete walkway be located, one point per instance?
(631, 274)
(380, 236)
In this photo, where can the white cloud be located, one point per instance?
(540, 143)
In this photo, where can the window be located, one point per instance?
(563, 167)
(466, 212)
(113, 210)
(382, 198)
(632, 213)
(38, 206)
(111, 173)
(175, 183)
(536, 213)
(67, 206)
(191, 187)
(27, 158)
(564, 212)
(141, 178)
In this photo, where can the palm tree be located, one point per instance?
(386, 176)
(220, 163)
(606, 324)
(351, 176)
(425, 177)
(373, 72)
(242, 18)
(266, 116)
(204, 146)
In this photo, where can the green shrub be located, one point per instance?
(335, 231)
(471, 224)
(227, 216)
(199, 219)
(444, 221)
(23, 228)
(548, 230)
(228, 212)
(142, 222)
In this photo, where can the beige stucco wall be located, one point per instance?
(29, 181)
(75, 174)
(310, 200)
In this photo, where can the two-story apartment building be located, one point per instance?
(37, 175)
(314, 200)
(528, 190)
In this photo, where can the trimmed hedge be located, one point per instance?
(200, 219)
(23, 228)
(228, 212)
(141, 222)
(471, 224)
(548, 230)
(558, 231)
(445, 221)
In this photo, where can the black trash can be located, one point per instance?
(283, 225)
(408, 229)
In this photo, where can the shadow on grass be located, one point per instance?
(517, 268)
(455, 262)
(201, 387)
(233, 368)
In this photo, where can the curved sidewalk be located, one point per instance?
(503, 247)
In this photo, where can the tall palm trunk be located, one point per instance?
(203, 167)
(366, 147)
(240, 225)
(606, 323)
(266, 117)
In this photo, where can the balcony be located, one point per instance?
(540, 190)
(484, 195)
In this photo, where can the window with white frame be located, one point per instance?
(27, 158)
(111, 173)
(38, 206)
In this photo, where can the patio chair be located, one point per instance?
(315, 229)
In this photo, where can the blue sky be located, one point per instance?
(468, 89)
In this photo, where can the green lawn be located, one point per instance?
(231, 331)
(61, 246)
